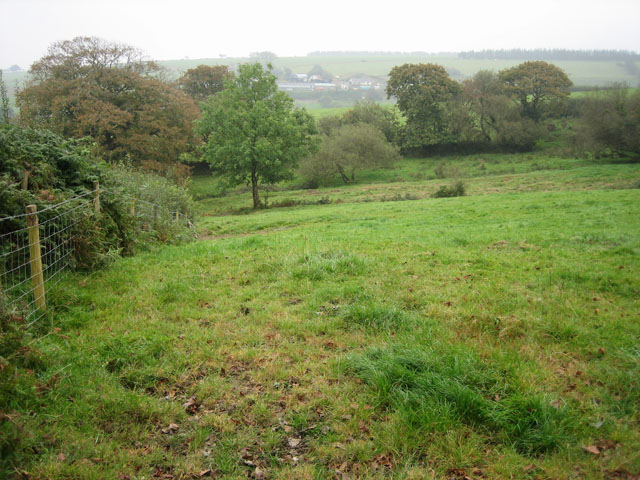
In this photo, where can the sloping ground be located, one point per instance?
(398, 184)
(476, 337)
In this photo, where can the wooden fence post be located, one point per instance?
(132, 207)
(96, 196)
(35, 257)
(25, 179)
(177, 216)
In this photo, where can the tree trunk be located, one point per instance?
(254, 188)
(343, 175)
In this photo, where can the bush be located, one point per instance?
(348, 149)
(609, 123)
(456, 190)
(370, 113)
(61, 170)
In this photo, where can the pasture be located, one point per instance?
(582, 73)
(385, 334)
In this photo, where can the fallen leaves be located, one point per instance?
(171, 429)
(294, 442)
(592, 449)
(191, 406)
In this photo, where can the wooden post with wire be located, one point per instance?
(132, 207)
(35, 257)
(96, 196)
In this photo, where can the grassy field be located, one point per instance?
(597, 73)
(420, 178)
(488, 336)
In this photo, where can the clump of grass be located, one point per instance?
(376, 317)
(443, 387)
(319, 265)
(458, 189)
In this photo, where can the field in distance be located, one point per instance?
(582, 73)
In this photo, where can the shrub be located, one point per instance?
(456, 190)
(610, 123)
(60, 170)
(348, 149)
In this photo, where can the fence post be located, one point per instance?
(35, 257)
(25, 179)
(155, 212)
(132, 207)
(96, 196)
(177, 216)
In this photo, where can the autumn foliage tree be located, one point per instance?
(88, 87)
(204, 80)
(536, 86)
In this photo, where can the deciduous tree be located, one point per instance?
(535, 86)
(372, 113)
(108, 91)
(609, 122)
(5, 106)
(422, 91)
(254, 133)
(204, 80)
(348, 149)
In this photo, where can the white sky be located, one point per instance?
(172, 29)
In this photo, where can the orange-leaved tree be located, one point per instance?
(88, 87)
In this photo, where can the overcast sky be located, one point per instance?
(172, 29)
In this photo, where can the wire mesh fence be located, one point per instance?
(37, 248)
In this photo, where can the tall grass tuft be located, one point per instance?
(442, 387)
(376, 317)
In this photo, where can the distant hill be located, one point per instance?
(586, 69)
(596, 68)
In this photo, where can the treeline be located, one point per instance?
(360, 53)
(508, 111)
(134, 114)
(550, 54)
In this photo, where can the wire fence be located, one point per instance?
(37, 248)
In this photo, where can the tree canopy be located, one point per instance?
(204, 80)
(253, 132)
(609, 123)
(535, 85)
(108, 91)
(421, 91)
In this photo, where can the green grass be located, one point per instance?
(422, 177)
(492, 335)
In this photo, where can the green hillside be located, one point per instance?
(373, 332)
(582, 73)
